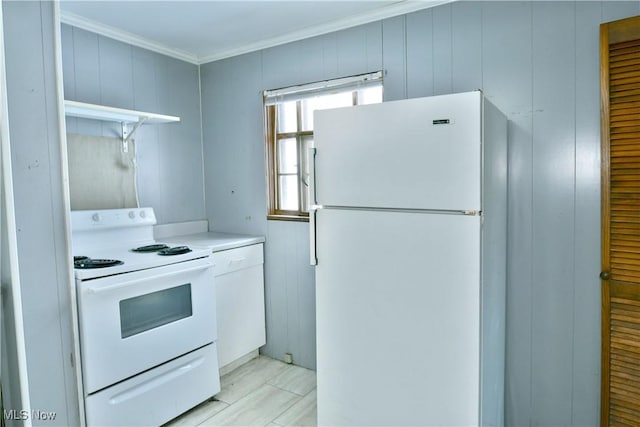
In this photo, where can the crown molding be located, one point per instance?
(125, 36)
(400, 8)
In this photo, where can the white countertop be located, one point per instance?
(215, 240)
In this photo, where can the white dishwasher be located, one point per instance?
(240, 301)
(240, 307)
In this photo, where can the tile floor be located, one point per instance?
(262, 392)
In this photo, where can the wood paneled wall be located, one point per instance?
(38, 190)
(100, 70)
(538, 62)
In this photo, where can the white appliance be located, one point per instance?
(408, 234)
(147, 320)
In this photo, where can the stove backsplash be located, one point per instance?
(102, 175)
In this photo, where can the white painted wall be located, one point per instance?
(13, 366)
(30, 35)
(100, 70)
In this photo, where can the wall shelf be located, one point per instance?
(111, 114)
(121, 115)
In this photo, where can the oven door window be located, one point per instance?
(149, 311)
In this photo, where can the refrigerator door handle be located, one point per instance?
(313, 259)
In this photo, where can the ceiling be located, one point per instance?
(207, 30)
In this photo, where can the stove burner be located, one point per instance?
(80, 258)
(96, 263)
(151, 248)
(176, 250)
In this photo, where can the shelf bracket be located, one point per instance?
(127, 135)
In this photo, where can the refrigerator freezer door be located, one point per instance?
(419, 153)
(398, 298)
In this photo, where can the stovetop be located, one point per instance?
(117, 241)
(130, 260)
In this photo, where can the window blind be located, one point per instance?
(310, 90)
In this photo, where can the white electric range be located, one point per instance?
(147, 321)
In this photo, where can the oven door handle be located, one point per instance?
(120, 285)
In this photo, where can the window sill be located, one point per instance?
(288, 218)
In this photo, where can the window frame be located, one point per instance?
(272, 172)
(273, 169)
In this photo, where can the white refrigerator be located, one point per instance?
(408, 235)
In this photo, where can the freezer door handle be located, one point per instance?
(312, 176)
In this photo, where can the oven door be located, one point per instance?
(131, 322)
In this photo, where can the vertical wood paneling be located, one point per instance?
(33, 111)
(68, 71)
(108, 72)
(147, 153)
(507, 74)
(181, 145)
(116, 77)
(349, 52)
(374, 46)
(293, 287)
(344, 53)
(329, 55)
(306, 303)
(290, 295)
(86, 63)
(419, 54)
(586, 354)
(308, 59)
(442, 50)
(276, 289)
(163, 82)
(359, 50)
(394, 58)
(294, 63)
(162, 145)
(233, 129)
(144, 80)
(466, 46)
(553, 211)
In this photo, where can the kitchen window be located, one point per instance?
(289, 135)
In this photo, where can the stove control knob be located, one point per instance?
(143, 214)
(96, 217)
(132, 214)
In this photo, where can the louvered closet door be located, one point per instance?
(620, 86)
